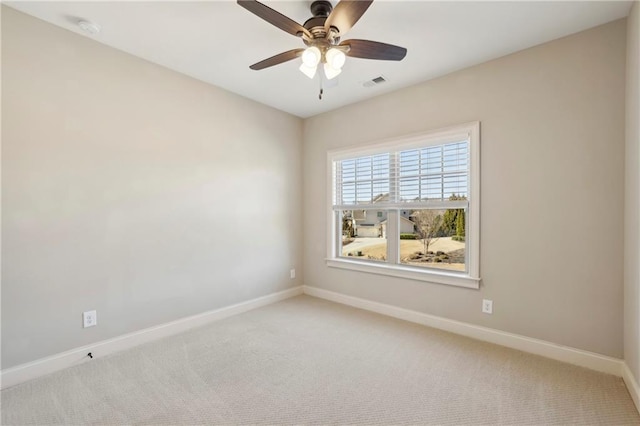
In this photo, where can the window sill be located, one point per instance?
(406, 272)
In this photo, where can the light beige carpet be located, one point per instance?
(308, 361)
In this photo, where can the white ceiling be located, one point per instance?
(216, 41)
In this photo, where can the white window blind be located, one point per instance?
(362, 180)
(420, 176)
(434, 172)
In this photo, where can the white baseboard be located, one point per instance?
(567, 354)
(632, 385)
(24, 372)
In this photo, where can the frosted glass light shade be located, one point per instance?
(311, 56)
(335, 58)
(308, 71)
(331, 72)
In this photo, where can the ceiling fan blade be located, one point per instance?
(368, 49)
(346, 14)
(277, 59)
(275, 18)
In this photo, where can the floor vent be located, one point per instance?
(374, 81)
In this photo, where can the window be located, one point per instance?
(409, 207)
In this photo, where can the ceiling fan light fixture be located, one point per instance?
(308, 71)
(320, 34)
(331, 72)
(311, 57)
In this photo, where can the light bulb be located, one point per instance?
(331, 72)
(308, 71)
(335, 58)
(311, 56)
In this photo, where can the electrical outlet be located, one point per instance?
(89, 319)
(293, 273)
(487, 306)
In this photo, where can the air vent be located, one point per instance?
(374, 81)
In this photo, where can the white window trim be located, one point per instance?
(471, 279)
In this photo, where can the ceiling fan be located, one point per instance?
(321, 34)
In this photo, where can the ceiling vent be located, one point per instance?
(374, 81)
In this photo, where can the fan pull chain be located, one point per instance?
(321, 89)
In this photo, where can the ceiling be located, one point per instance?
(216, 41)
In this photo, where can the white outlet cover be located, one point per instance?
(89, 319)
(293, 273)
(487, 306)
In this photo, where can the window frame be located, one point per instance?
(470, 278)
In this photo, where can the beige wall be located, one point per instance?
(632, 197)
(552, 165)
(133, 190)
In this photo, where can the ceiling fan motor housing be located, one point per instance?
(320, 9)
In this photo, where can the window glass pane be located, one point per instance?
(362, 180)
(433, 238)
(349, 193)
(409, 189)
(433, 173)
(364, 234)
(409, 162)
(364, 192)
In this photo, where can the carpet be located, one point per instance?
(309, 361)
